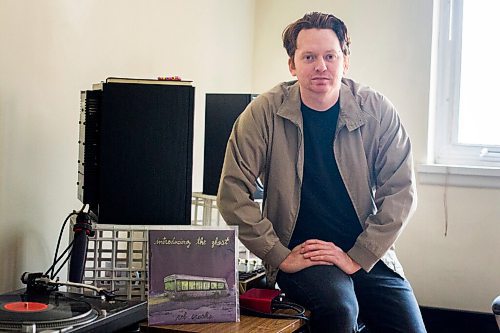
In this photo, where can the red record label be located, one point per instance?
(26, 306)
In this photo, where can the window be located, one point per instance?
(465, 127)
(170, 285)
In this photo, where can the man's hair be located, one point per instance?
(315, 20)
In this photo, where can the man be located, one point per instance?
(339, 187)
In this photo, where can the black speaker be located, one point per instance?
(221, 111)
(144, 154)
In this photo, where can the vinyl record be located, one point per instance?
(54, 311)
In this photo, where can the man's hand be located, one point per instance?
(320, 251)
(296, 261)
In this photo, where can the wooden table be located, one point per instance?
(247, 324)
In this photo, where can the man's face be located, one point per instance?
(318, 63)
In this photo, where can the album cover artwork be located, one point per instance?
(193, 275)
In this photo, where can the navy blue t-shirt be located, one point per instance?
(326, 211)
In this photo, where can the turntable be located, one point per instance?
(42, 308)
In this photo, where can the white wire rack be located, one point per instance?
(117, 259)
(204, 210)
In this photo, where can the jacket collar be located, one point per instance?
(350, 115)
(290, 109)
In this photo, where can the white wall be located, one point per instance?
(50, 51)
(390, 51)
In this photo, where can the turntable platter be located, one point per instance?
(54, 311)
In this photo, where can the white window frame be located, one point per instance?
(448, 161)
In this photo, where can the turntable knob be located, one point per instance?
(104, 313)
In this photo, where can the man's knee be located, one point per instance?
(340, 314)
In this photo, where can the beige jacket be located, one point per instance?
(372, 151)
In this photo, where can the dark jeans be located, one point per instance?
(382, 299)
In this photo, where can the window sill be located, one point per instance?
(464, 176)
